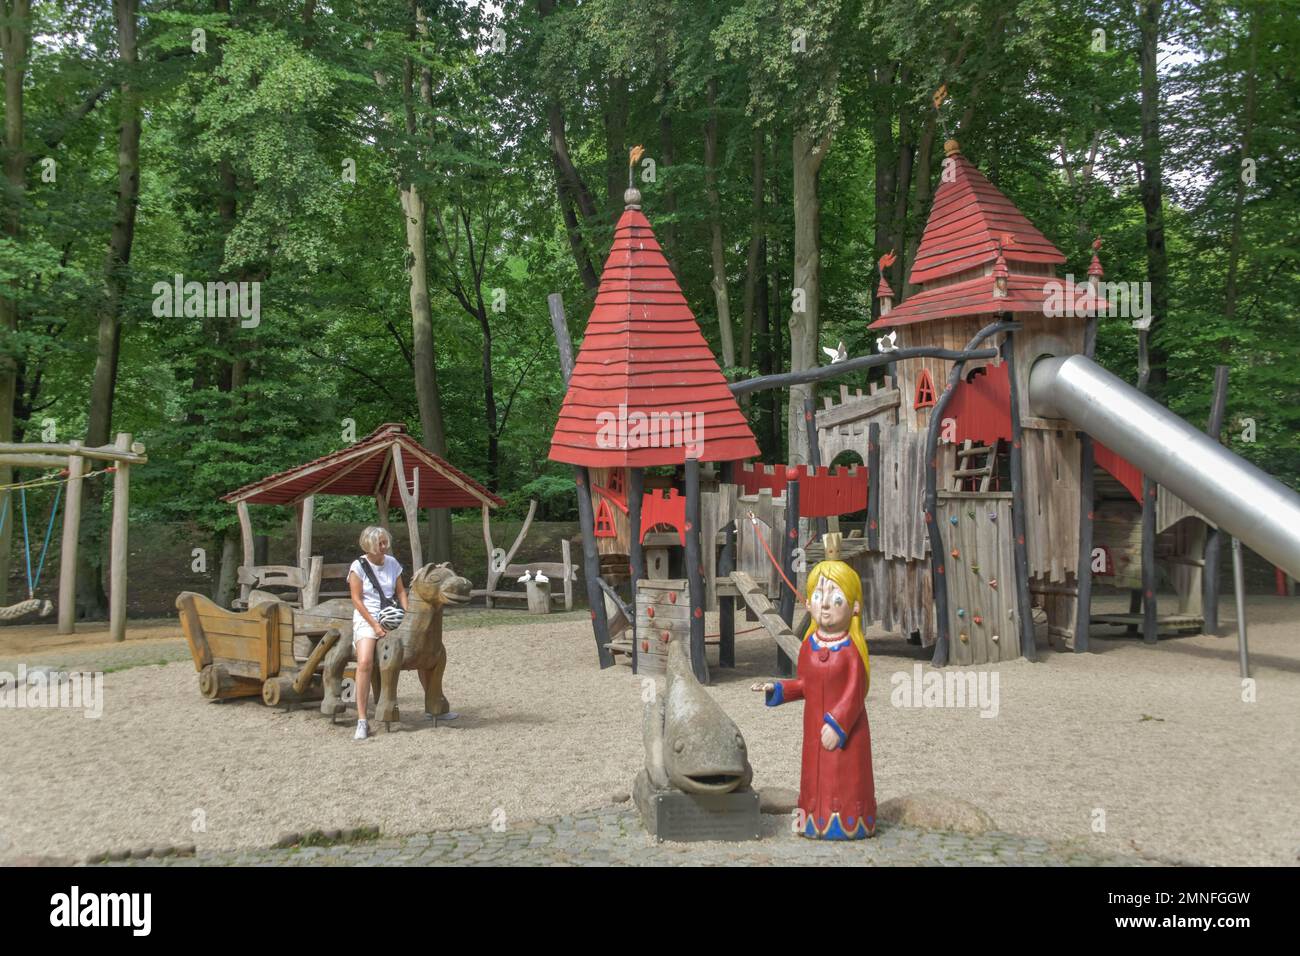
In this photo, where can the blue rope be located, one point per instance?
(27, 547)
(4, 511)
(49, 531)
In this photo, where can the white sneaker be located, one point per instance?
(363, 730)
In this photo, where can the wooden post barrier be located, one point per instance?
(118, 543)
(727, 564)
(71, 533)
(636, 555)
(789, 544)
(695, 569)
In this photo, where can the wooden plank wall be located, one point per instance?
(1051, 462)
(621, 544)
(982, 538)
(896, 594)
(901, 487)
(940, 333)
(1060, 602)
(1117, 527)
(840, 428)
(1170, 509)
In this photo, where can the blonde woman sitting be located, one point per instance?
(375, 580)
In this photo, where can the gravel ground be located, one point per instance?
(1157, 738)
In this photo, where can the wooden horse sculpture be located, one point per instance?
(415, 645)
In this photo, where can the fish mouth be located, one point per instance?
(714, 782)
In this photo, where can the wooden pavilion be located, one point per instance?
(388, 465)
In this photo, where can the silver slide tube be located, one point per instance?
(1241, 499)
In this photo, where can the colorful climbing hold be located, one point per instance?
(993, 516)
(993, 583)
(970, 514)
(961, 612)
(978, 619)
(995, 638)
(952, 520)
(964, 638)
(975, 568)
(956, 553)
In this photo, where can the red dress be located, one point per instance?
(837, 793)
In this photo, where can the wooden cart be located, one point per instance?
(271, 650)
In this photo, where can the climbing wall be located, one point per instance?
(980, 574)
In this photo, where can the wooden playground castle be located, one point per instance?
(979, 513)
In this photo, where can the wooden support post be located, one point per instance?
(494, 568)
(566, 561)
(727, 564)
(1024, 609)
(1149, 634)
(1083, 576)
(784, 665)
(410, 506)
(874, 485)
(68, 555)
(814, 452)
(1083, 570)
(306, 510)
(1239, 589)
(591, 566)
(695, 570)
(1213, 537)
(586, 515)
(636, 556)
(246, 539)
(118, 543)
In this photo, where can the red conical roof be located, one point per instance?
(969, 216)
(644, 353)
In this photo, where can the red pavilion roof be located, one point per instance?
(644, 353)
(368, 469)
(968, 219)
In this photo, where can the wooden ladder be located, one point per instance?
(966, 470)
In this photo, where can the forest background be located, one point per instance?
(406, 181)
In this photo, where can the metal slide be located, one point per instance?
(1241, 499)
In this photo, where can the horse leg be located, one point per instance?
(434, 702)
(336, 662)
(388, 669)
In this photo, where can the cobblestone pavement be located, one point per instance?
(613, 836)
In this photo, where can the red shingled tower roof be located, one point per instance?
(644, 352)
(970, 222)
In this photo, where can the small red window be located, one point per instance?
(605, 521)
(924, 390)
(616, 480)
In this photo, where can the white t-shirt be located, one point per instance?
(386, 576)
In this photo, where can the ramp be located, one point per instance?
(752, 593)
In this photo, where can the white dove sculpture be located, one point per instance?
(886, 342)
(528, 576)
(837, 355)
(541, 578)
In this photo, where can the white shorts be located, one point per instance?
(361, 630)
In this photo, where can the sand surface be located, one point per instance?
(1157, 738)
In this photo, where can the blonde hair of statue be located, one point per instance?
(847, 580)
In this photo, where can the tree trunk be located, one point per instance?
(667, 195)
(489, 401)
(13, 47)
(116, 262)
(616, 145)
(1239, 199)
(1151, 189)
(924, 175)
(755, 264)
(805, 284)
(715, 223)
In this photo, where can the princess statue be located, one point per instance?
(837, 795)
